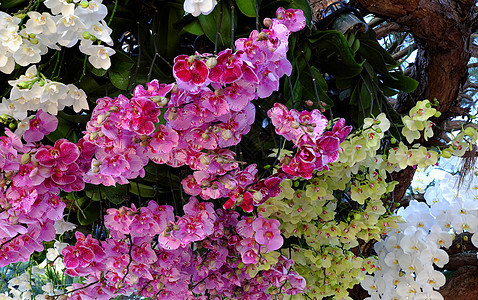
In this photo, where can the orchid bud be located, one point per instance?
(174, 89)
(86, 35)
(257, 196)
(262, 36)
(205, 160)
(23, 85)
(211, 62)
(267, 22)
(84, 4)
(193, 58)
(26, 158)
(446, 153)
(219, 92)
(470, 131)
(226, 134)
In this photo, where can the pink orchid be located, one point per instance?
(40, 125)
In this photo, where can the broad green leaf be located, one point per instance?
(210, 24)
(139, 189)
(374, 57)
(11, 3)
(247, 7)
(401, 82)
(88, 211)
(334, 54)
(297, 91)
(194, 28)
(115, 194)
(98, 72)
(83, 119)
(119, 80)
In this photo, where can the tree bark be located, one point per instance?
(442, 30)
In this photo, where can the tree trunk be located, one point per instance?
(441, 29)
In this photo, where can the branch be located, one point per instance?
(456, 125)
(474, 50)
(459, 260)
(404, 51)
(375, 22)
(386, 29)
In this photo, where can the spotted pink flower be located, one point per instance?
(190, 69)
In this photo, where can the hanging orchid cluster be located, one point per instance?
(151, 251)
(326, 195)
(410, 254)
(69, 22)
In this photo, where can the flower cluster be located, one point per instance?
(228, 255)
(207, 109)
(32, 176)
(417, 120)
(69, 22)
(316, 148)
(32, 92)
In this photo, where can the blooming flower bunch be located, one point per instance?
(312, 210)
(24, 43)
(406, 258)
(417, 120)
(316, 148)
(151, 252)
(207, 109)
(32, 176)
(312, 213)
(33, 92)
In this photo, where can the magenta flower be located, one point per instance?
(293, 19)
(63, 153)
(268, 233)
(144, 254)
(40, 125)
(228, 68)
(189, 69)
(77, 256)
(163, 140)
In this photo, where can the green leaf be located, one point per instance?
(142, 190)
(11, 3)
(194, 28)
(88, 211)
(247, 7)
(210, 24)
(98, 72)
(297, 90)
(375, 58)
(335, 54)
(115, 194)
(82, 119)
(401, 82)
(119, 80)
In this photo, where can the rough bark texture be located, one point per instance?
(441, 29)
(462, 285)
